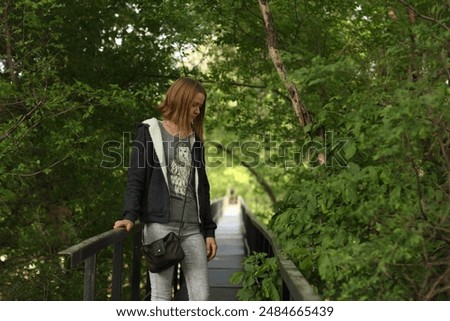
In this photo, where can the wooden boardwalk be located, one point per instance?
(233, 247)
(230, 238)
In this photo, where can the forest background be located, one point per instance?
(358, 195)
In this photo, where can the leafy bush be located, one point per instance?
(260, 278)
(377, 229)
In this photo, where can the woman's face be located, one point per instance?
(197, 103)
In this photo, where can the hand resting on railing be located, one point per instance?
(127, 224)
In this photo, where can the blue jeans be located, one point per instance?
(194, 265)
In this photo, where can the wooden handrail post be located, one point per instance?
(117, 271)
(136, 270)
(90, 267)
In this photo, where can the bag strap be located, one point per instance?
(191, 166)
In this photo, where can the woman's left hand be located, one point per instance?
(211, 248)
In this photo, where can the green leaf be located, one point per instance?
(349, 150)
(236, 277)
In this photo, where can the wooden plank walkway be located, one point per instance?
(231, 251)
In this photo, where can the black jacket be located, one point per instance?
(147, 193)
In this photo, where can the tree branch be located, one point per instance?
(266, 187)
(410, 7)
(434, 291)
(297, 104)
(21, 120)
(43, 169)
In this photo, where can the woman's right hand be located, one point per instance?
(127, 224)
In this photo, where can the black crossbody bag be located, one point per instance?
(167, 251)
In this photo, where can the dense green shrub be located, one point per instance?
(259, 280)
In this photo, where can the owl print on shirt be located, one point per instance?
(179, 168)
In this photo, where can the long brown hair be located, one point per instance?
(176, 106)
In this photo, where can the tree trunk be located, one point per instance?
(7, 33)
(297, 104)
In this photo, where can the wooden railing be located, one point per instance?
(295, 287)
(86, 253)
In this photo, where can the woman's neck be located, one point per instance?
(174, 129)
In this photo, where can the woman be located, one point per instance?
(167, 178)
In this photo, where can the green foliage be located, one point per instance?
(67, 119)
(372, 223)
(375, 228)
(260, 279)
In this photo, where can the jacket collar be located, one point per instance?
(155, 134)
